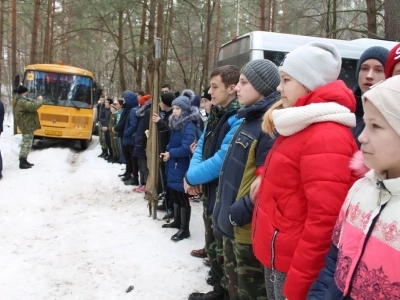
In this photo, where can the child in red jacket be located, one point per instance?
(306, 173)
(364, 258)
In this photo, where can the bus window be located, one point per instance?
(60, 89)
(275, 56)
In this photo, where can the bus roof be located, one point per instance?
(264, 40)
(63, 69)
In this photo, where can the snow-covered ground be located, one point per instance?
(70, 229)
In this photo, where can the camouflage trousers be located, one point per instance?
(244, 273)
(213, 246)
(114, 145)
(26, 145)
(102, 138)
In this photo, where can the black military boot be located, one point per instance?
(103, 153)
(183, 232)
(29, 163)
(218, 293)
(177, 219)
(23, 164)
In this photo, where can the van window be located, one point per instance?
(237, 53)
(347, 73)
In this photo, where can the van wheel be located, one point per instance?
(84, 144)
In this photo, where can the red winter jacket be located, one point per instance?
(305, 182)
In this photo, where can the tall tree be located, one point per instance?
(150, 44)
(35, 28)
(392, 19)
(371, 18)
(121, 48)
(14, 37)
(47, 42)
(2, 9)
(139, 75)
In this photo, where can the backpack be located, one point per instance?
(197, 129)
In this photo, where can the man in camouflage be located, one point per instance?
(27, 120)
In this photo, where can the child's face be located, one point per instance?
(380, 144)
(290, 90)
(246, 93)
(220, 94)
(396, 69)
(371, 72)
(176, 111)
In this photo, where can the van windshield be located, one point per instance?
(60, 89)
(347, 73)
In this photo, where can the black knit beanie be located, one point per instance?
(167, 98)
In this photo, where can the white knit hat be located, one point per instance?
(385, 96)
(313, 65)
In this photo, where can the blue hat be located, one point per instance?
(376, 52)
(183, 102)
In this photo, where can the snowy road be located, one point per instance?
(69, 229)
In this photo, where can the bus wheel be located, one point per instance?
(84, 144)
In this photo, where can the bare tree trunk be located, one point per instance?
(371, 18)
(35, 28)
(167, 41)
(63, 45)
(14, 37)
(392, 19)
(150, 50)
(273, 16)
(121, 49)
(217, 33)
(207, 45)
(51, 40)
(160, 19)
(334, 20)
(46, 44)
(262, 15)
(141, 47)
(1, 41)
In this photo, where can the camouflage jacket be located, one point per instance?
(25, 113)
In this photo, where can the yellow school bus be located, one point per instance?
(68, 95)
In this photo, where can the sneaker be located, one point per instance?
(139, 189)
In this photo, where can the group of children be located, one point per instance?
(292, 209)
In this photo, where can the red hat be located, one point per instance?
(392, 60)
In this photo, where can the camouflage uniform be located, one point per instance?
(113, 136)
(214, 252)
(27, 119)
(244, 273)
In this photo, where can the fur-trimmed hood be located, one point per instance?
(141, 111)
(177, 123)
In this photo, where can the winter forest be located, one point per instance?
(114, 39)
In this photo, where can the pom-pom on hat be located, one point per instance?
(263, 75)
(313, 65)
(385, 97)
(183, 102)
(392, 60)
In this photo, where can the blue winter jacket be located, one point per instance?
(324, 288)
(247, 151)
(140, 139)
(179, 149)
(206, 171)
(131, 102)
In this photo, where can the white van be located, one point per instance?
(274, 46)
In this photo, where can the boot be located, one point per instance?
(136, 181)
(126, 177)
(23, 164)
(123, 175)
(184, 232)
(177, 220)
(114, 160)
(109, 159)
(29, 163)
(169, 214)
(218, 293)
(103, 153)
(161, 205)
